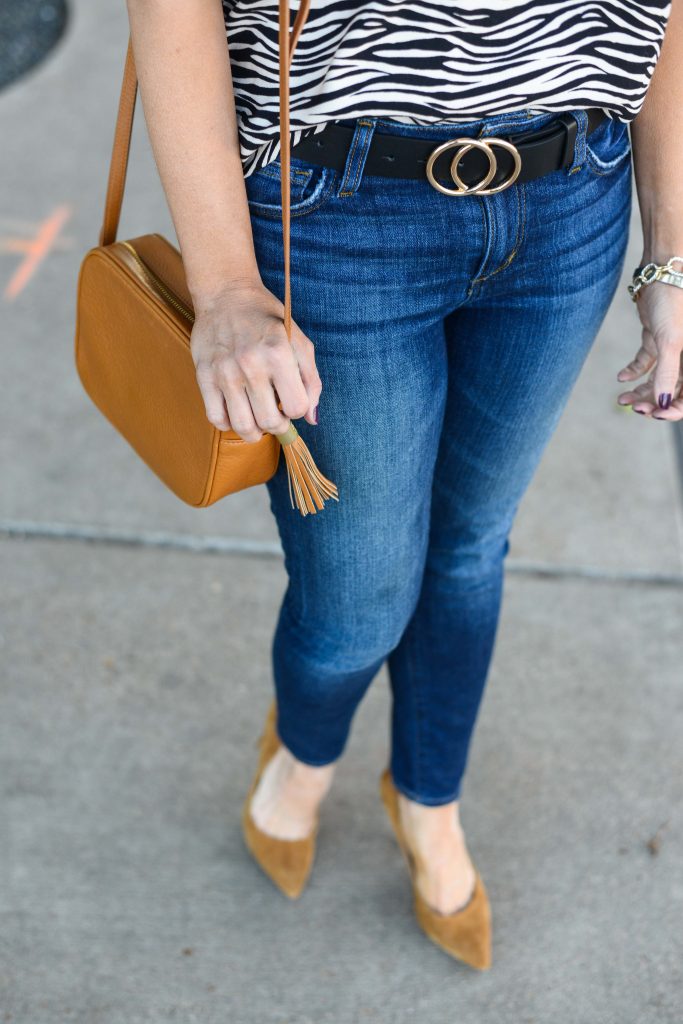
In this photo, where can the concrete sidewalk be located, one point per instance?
(135, 679)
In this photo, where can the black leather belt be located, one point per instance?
(458, 166)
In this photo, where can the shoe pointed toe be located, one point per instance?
(286, 862)
(466, 934)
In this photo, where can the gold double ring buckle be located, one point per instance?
(464, 146)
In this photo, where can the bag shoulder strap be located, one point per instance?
(124, 127)
(119, 156)
(287, 46)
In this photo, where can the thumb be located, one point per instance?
(667, 370)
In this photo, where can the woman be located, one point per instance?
(439, 329)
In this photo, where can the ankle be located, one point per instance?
(316, 778)
(445, 874)
(434, 826)
(289, 793)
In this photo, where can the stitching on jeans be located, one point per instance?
(392, 123)
(418, 720)
(270, 172)
(508, 261)
(362, 140)
(522, 232)
(521, 220)
(487, 254)
(521, 223)
(603, 169)
(430, 801)
(359, 166)
(602, 174)
(579, 155)
(491, 222)
(353, 150)
(360, 163)
(324, 196)
(354, 147)
(274, 212)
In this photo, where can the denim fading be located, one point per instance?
(449, 332)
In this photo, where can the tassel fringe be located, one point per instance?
(308, 488)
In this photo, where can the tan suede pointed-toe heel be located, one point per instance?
(287, 862)
(464, 935)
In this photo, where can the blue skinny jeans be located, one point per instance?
(448, 332)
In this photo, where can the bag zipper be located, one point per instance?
(157, 283)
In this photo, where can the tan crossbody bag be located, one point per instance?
(134, 320)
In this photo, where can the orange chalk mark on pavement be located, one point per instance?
(35, 249)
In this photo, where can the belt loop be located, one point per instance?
(579, 155)
(356, 156)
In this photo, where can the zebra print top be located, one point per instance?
(424, 61)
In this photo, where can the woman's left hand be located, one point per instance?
(660, 307)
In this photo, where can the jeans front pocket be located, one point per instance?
(310, 186)
(608, 146)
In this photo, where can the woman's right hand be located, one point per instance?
(245, 363)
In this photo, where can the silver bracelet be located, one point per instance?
(651, 272)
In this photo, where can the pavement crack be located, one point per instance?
(27, 530)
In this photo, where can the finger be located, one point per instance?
(214, 402)
(643, 362)
(668, 368)
(643, 392)
(644, 400)
(264, 407)
(241, 413)
(304, 353)
(673, 413)
(644, 408)
(286, 377)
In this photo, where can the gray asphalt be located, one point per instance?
(134, 654)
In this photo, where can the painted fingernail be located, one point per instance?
(315, 414)
(664, 401)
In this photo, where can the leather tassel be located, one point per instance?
(308, 488)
